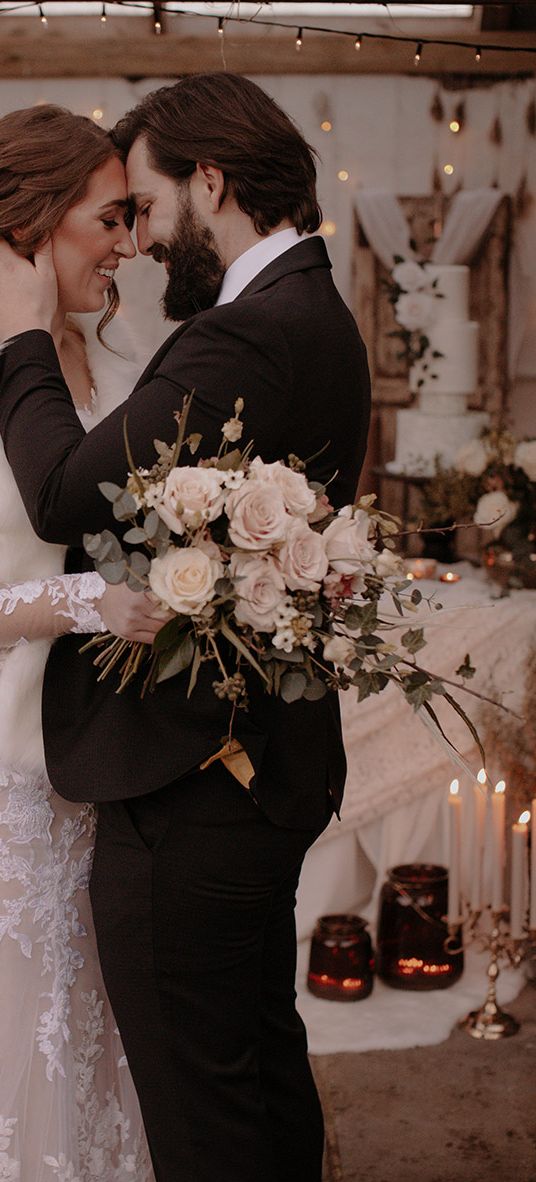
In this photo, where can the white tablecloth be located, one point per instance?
(395, 807)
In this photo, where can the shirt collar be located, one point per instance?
(254, 260)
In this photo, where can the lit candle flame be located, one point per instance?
(500, 787)
(482, 777)
(525, 817)
(454, 787)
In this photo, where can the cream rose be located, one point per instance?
(525, 457)
(409, 276)
(190, 497)
(185, 579)
(472, 457)
(495, 511)
(340, 650)
(260, 588)
(257, 516)
(303, 557)
(300, 500)
(347, 545)
(415, 310)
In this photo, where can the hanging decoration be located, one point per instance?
(523, 199)
(437, 109)
(531, 117)
(496, 132)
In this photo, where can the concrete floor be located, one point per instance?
(462, 1111)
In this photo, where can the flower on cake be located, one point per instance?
(525, 457)
(413, 294)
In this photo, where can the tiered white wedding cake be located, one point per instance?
(441, 423)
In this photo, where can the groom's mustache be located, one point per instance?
(159, 253)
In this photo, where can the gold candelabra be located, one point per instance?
(490, 1022)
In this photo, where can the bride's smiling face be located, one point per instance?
(91, 239)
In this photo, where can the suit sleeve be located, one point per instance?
(58, 467)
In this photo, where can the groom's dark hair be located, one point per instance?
(226, 121)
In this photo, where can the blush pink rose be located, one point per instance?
(257, 515)
(303, 557)
(260, 588)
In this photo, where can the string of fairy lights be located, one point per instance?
(159, 10)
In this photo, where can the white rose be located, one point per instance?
(340, 650)
(185, 579)
(409, 276)
(525, 457)
(260, 587)
(303, 557)
(415, 310)
(388, 564)
(472, 458)
(257, 517)
(495, 511)
(298, 497)
(347, 545)
(191, 496)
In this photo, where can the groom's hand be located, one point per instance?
(28, 291)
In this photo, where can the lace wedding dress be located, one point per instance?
(68, 1110)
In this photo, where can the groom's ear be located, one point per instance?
(211, 186)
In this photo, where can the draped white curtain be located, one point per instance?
(470, 213)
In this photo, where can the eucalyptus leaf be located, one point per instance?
(293, 686)
(134, 535)
(315, 690)
(124, 507)
(113, 572)
(92, 544)
(152, 522)
(109, 490)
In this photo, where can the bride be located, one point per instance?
(68, 1111)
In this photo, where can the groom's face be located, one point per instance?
(169, 227)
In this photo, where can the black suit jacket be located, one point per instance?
(289, 346)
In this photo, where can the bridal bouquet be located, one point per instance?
(264, 578)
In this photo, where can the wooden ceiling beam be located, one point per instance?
(79, 47)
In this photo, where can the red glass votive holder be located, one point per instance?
(341, 962)
(414, 947)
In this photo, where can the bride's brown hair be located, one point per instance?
(47, 156)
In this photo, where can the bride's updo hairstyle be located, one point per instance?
(47, 156)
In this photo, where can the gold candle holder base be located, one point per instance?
(490, 1023)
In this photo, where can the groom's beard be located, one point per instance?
(195, 268)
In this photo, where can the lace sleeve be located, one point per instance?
(47, 608)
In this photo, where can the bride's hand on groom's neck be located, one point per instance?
(28, 291)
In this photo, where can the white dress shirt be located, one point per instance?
(254, 260)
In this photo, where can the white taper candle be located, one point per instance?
(455, 845)
(518, 884)
(498, 803)
(479, 824)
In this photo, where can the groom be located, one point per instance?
(195, 877)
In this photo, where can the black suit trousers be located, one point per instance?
(193, 891)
